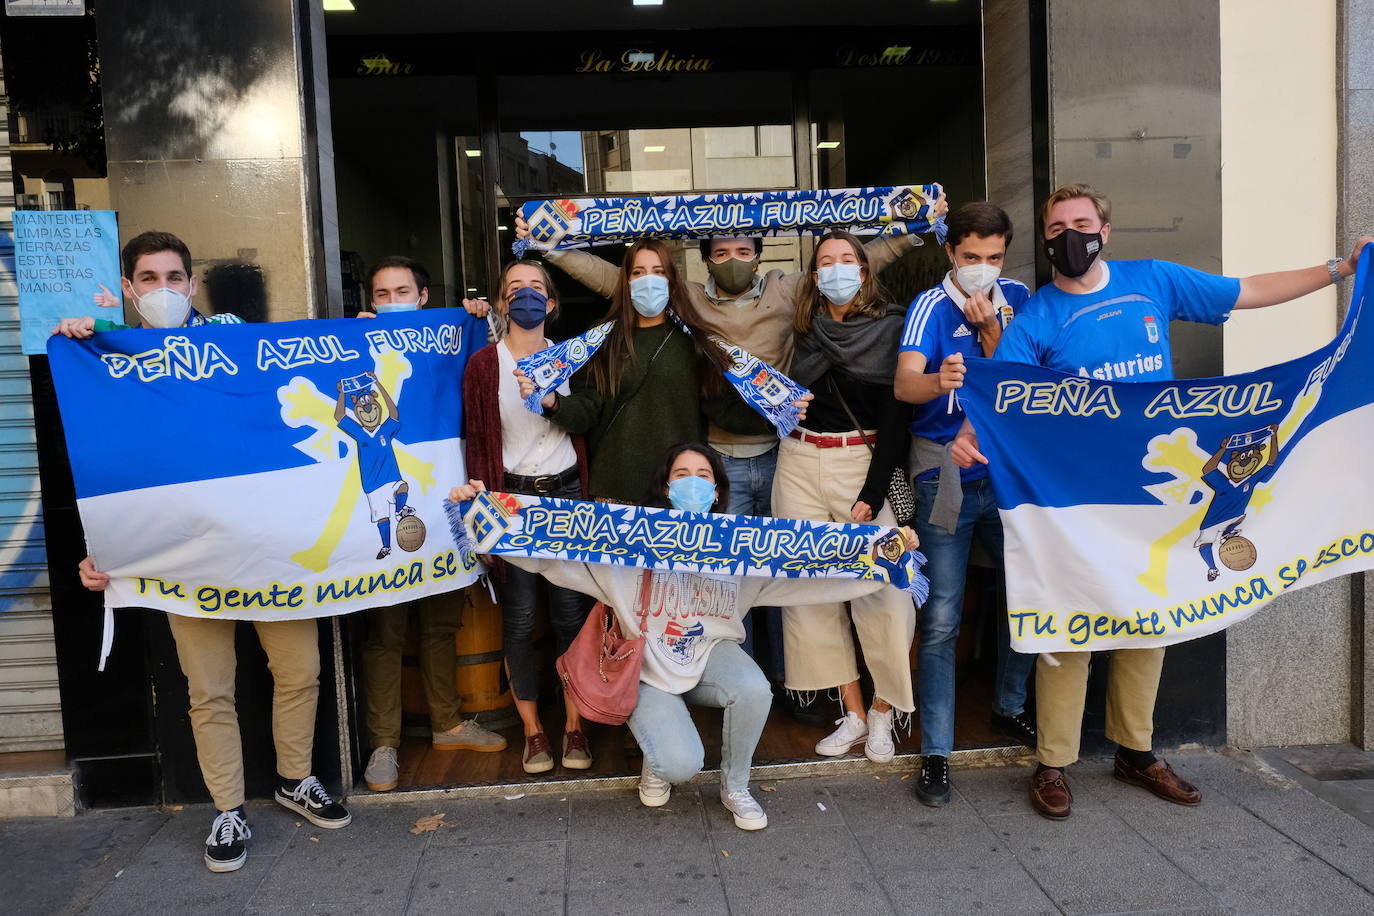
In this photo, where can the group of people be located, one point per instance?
(651, 421)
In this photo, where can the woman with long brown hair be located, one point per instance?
(837, 468)
(651, 384)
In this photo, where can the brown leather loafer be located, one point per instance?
(1050, 795)
(1160, 779)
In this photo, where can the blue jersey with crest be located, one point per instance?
(935, 327)
(1120, 332)
(376, 459)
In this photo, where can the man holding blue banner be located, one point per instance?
(1111, 322)
(157, 276)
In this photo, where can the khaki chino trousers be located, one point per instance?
(1132, 684)
(205, 647)
(818, 648)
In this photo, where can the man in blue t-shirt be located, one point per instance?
(963, 316)
(385, 489)
(1232, 486)
(1111, 321)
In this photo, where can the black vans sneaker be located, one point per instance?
(225, 847)
(312, 802)
(1019, 728)
(932, 786)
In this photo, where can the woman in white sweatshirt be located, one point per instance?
(693, 624)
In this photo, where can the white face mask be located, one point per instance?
(163, 308)
(977, 278)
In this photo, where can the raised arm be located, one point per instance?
(884, 250)
(1263, 290)
(339, 405)
(601, 277)
(386, 398)
(1215, 460)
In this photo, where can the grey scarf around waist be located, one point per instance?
(927, 454)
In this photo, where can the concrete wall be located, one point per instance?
(210, 126)
(1288, 667)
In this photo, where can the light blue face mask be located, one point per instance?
(384, 308)
(649, 294)
(692, 494)
(839, 282)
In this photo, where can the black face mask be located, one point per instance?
(1072, 252)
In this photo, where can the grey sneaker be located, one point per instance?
(748, 813)
(469, 736)
(577, 754)
(653, 792)
(382, 773)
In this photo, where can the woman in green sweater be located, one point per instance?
(650, 385)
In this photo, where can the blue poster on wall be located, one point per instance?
(66, 264)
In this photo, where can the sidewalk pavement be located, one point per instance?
(1268, 838)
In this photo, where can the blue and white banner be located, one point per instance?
(763, 387)
(1149, 513)
(270, 471)
(647, 538)
(580, 222)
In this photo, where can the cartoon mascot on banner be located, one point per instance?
(1232, 486)
(385, 489)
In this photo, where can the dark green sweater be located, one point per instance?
(651, 411)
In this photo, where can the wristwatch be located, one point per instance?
(1333, 268)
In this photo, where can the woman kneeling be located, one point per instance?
(693, 624)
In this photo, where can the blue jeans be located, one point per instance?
(946, 567)
(751, 493)
(668, 736)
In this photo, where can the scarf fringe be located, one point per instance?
(458, 528)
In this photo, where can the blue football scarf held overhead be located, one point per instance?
(763, 387)
(507, 524)
(580, 222)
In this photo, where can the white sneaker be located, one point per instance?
(382, 774)
(653, 792)
(748, 814)
(880, 747)
(852, 730)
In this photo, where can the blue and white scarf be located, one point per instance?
(763, 387)
(509, 524)
(580, 222)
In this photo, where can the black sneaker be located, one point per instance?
(1018, 728)
(384, 552)
(312, 802)
(932, 786)
(225, 849)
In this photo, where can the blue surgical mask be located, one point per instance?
(384, 308)
(527, 307)
(839, 282)
(692, 494)
(649, 294)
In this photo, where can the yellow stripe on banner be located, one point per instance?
(316, 557)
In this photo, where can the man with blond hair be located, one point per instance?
(1111, 322)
